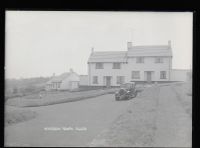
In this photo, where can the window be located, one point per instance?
(95, 80)
(99, 65)
(140, 60)
(59, 85)
(120, 79)
(163, 75)
(135, 74)
(158, 60)
(116, 66)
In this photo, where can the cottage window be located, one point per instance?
(95, 79)
(116, 65)
(158, 60)
(163, 75)
(99, 65)
(140, 60)
(135, 74)
(120, 79)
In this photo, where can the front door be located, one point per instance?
(108, 81)
(148, 76)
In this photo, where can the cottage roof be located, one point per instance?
(59, 78)
(108, 56)
(156, 50)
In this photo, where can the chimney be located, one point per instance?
(129, 45)
(169, 43)
(53, 75)
(92, 50)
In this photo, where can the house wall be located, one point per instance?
(83, 80)
(127, 68)
(180, 75)
(107, 71)
(149, 65)
(52, 86)
(64, 85)
(70, 82)
(74, 85)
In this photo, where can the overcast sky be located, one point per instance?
(40, 43)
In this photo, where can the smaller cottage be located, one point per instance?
(66, 81)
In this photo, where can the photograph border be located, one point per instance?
(147, 6)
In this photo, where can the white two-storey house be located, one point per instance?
(137, 64)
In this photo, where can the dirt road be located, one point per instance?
(155, 118)
(81, 120)
(174, 125)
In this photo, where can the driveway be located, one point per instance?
(67, 124)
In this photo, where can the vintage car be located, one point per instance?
(127, 91)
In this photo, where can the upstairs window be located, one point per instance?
(159, 60)
(135, 74)
(99, 65)
(95, 80)
(140, 60)
(163, 75)
(116, 65)
(120, 79)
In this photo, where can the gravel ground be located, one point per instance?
(136, 126)
(156, 118)
(183, 93)
(159, 116)
(93, 114)
(174, 125)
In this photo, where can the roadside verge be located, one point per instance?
(21, 102)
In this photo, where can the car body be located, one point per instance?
(127, 91)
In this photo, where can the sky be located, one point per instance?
(40, 43)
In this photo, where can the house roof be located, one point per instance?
(108, 56)
(59, 78)
(134, 51)
(157, 50)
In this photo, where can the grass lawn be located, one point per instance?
(56, 97)
(16, 115)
